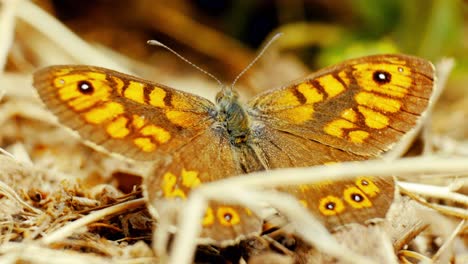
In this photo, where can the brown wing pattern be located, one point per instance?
(361, 106)
(207, 158)
(334, 203)
(122, 113)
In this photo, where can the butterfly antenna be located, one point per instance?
(157, 43)
(273, 39)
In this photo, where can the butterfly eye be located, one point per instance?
(382, 77)
(85, 87)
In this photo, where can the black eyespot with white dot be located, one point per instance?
(330, 206)
(228, 217)
(382, 77)
(85, 87)
(357, 197)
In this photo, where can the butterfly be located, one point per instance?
(356, 110)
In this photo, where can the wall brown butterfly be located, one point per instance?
(355, 110)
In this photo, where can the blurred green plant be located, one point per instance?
(426, 28)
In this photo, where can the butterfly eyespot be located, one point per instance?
(400, 69)
(367, 185)
(85, 87)
(382, 77)
(331, 205)
(228, 216)
(357, 197)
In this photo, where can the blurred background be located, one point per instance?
(224, 34)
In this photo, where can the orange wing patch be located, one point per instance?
(138, 121)
(358, 136)
(294, 104)
(377, 102)
(134, 91)
(298, 115)
(82, 91)
(181, 118)
(145, 144)
(367, 186)
(331, 85)
(209, 217)
(156, 97)
(394, 80)
(106, 112)
(337, 127)
(157, 133)
(179, 186)
(350, 115)
(146, 136)
(118, 128)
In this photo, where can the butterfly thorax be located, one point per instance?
(232, 117)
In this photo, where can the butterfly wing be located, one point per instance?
(362, 106)
(141, 120)
(122, 113)
(207, 158)
(353, 111)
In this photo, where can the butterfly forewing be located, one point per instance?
(122, 113)
(362, 106)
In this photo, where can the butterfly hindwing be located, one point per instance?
(207, 158)
(333, 203)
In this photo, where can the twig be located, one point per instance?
(68, 229)
(7, 29)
